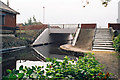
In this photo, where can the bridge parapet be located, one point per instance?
(68, 26)
(57, 30)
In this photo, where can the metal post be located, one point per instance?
(78, 25)
(43, 14)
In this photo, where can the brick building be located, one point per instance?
(7, 17)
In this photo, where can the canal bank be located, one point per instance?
(109, 59)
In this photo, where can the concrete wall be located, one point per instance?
(43, 38)
(57, 30)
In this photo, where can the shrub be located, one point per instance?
(83, 69)
(116, 43)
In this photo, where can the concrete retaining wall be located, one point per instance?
(43, 38)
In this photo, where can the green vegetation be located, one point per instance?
(28, 35)
(116, 43)
(83, 69)
(32, 21)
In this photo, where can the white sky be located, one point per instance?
(66, 11)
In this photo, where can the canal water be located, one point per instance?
(35, 54)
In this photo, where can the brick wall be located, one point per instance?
(10, 20)
(115, 26)
(88, 26)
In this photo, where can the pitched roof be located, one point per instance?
(4, 7)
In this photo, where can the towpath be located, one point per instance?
(109, 59)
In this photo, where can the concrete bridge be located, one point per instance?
(51, 35)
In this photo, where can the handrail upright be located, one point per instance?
(94, 37)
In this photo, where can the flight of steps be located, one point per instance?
(103, 40)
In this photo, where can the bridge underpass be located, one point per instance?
(51, 39)
(51, 35)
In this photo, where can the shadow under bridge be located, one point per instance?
(54, 35)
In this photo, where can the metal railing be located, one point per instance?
(111, 31)
(65, 25)
(94, 37)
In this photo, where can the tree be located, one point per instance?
(34, 19)
(30, 21)
(104, 2)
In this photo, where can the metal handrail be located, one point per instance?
(94, 37)
(111, 30)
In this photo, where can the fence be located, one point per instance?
(64, 25)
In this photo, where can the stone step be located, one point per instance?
(104, 48)
(103, 37)
(103, 43)
(106, 34)
(103, 34)
(97, 39)
(102, 29)
(103, 40)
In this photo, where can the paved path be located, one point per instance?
(107, 58)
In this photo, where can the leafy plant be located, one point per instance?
(22, 38)
(83, 69)
(116, 43)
